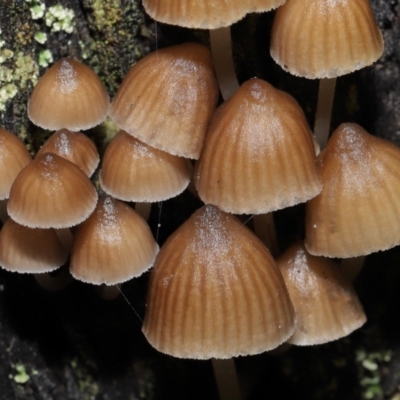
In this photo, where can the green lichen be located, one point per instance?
(106, 13)
(36, 8)
(59, 18)
(45, 58)
(87, 386)
(21, 375)
(41, 37)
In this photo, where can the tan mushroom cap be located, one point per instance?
(27, 250)
(13, 157)
(258, 154)
(205, 14)
(113, 245)
(325, 38)
(69, 95)
(134, 171)
(51, 192)
(358, 210)
(215, 291)
(326, 305)
(167, 99)
(75, 147)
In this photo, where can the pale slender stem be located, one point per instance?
(108, 292)
(264, 227)
(323, 115)
(3, 210)
(351, 267)
(55, 281)
(66, 238)
(143, 209)
(221, 50)
(227, 379)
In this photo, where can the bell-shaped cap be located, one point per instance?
(357, 212)
(215, 291)
(205, 14)
(28, 250)
(69, 95)
(13, 157)
(258, 154)
(167, 99)
(134, 171)
(113, 245)
(326, 305)
(325, 38)
(75, 147)
(51, 192)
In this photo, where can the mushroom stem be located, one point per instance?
(264, 227)
(143, 209)
(351, 267)
(221, 50)
(326, 94)
(227, 379)
(108, 292)
(3, 210)
(66, 238)
(54, 281)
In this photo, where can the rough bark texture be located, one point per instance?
(73, 345)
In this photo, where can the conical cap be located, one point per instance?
(27, 250)
(113, 245)
(51, 192)
(258, 154)
(13, 157)
(215, 291)
(69, 95)
(134, 171)
(205, 14)
(325, 38)
(326, 305)
(167, 99)
(75, 147)
(358, 210)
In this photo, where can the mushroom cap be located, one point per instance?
(51, 192)
(358, 210)
(258, 154)
(75, 147)
(13, 157)
(167, 99)
(69, 95)
(215, 291)
(27, 250)
(113, 245)
(326, 305)
(134, 171)
(325, 38)
(205, 14)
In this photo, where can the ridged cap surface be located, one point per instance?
(205, 14)
(357, 212)
(27, 250)
(69, 95)
(258, 154)
(75, 147)
(326, 305)
(13, 157)
(215, 291)
(167, 99)
(113, 245)
(134, 171)
(325, 38)
(51, 192)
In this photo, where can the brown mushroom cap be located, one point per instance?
(215, 291)
(205, 14)
(75, 147)
(51, 192)
(167, 99)
(326, 305)
(325, 38)
(69, 95)
(27, 250)
(13, 157)
(258, 154)
(358, 210)
(113, 245)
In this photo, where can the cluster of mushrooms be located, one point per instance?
(215, 290)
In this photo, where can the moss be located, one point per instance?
(87, 385)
